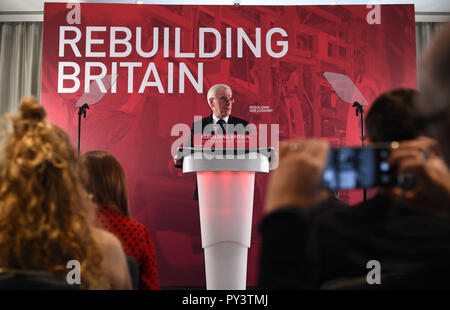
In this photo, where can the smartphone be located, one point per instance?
(351, 168)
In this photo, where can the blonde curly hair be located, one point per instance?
(45, 214)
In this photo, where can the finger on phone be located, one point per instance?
(411, 165)
(399, 155)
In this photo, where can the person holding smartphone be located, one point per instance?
(305, 250)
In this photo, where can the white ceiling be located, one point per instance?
(420, 5)
(29, 10)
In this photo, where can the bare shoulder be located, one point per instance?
(114, 261)
(107, 241)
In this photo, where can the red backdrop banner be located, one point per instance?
(149, 67)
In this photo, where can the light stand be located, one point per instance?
(348, 92)
(81, 111)
(360, 111)
(94, 96)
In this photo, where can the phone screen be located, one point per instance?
(350, 168)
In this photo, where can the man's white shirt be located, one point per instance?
(216, 119)
(217, 128)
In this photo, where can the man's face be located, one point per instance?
(219, 104)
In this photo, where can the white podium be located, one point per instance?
(225, 191)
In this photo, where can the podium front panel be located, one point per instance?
(226, 206)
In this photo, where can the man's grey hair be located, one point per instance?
(213, 90)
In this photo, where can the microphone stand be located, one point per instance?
(81, 111)
(360, 111)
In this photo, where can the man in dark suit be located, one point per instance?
(305, 248)
(220, 121)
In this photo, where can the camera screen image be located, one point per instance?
(350, 168)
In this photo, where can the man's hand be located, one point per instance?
(297, 180)
(421, 158)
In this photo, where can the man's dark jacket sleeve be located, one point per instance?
(284, 260)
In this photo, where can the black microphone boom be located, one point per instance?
(81, 111)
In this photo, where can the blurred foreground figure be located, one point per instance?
(45, 215)
(423, 159)
(386, 242)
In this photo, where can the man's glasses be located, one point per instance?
(225, 99)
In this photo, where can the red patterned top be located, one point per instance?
(136, 243)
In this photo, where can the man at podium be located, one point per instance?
(220, 101)
(220, 121)
(225, 187)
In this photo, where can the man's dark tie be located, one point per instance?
(222, 124)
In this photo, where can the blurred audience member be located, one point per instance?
(422, 158)
(391, 116)
(304, 251)
(45, 214)
(104, 178)
(434, 105)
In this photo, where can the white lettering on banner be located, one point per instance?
(139, 39)
(88, 76)
(114, 77)
(166, 42)
(115, 41)
(151, 78)
(170, 78)
(184, 71)
(126, 41)
(201, 43)
(72, 42)
(90, 42)
(255, 48)
(130, 66)
(151, 69)
(73, 77)
(178, 52)
(228, 42)
(242, 36)
(283, 44)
